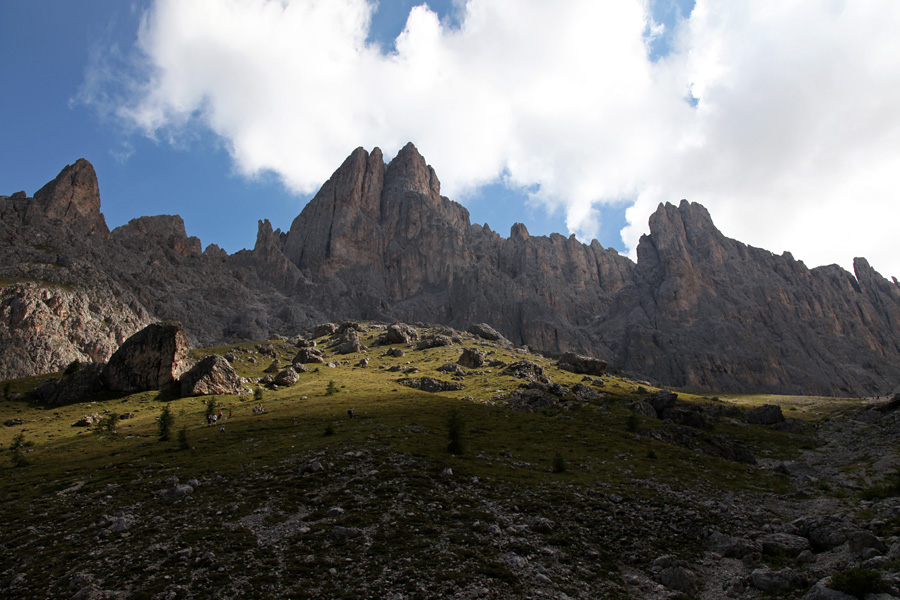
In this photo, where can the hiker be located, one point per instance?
(229, 413)
(350, 413)
(222, 430)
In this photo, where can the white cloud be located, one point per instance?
(794, 145)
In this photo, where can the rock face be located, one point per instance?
(212, 375)
(152, 359)
(44, 327)
(379, 242)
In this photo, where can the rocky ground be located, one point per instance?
(275, 508)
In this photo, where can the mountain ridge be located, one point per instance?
(379, 242)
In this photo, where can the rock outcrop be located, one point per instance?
(379, 242)
(212, 375)
(46, 326)
(152, 359)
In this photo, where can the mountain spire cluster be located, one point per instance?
(379, 242)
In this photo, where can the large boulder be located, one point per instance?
(309, 355)
(471, 358)
(212, 375)
(398, 333)
(152, 359)
(525, 369)
(286, 377)
(434, 341)
(72, 387)
(350, 342)
(583, 365)
(486, 332)
(767, 414)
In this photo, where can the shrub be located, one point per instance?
(858, 582)
(559, 463)
(455, 428)
(651, 454)
(108, 424)
(332, 389)
(888, 488)
(257, 395)
(329, 430)
(631, 423)
(17, 449)
(183, 439)
(164, 423)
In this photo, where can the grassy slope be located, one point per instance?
(393, 452)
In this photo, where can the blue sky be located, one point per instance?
(46, 48)
(571, 117)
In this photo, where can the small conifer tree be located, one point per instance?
(183, 439)
(107, 425)
(332, 389)
(17, 450)
(258, 395)
(559, 463)
(455, 428)
(210, 406)
(164, 423)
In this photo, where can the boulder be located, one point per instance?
(767, 414)
(286, 377)
(324, 329)
(434, 341)
(429, 384)
(680, 579)
(349, 342)
(395, 352)
(87, 420)
(662, 401)
(775, 581)
(472, 358)
(398, 333)
(729, 546)
(486, 332)
(152, 359)
(583, 365)
(525, 369)
(309, 355)
(273, 368)
(783, 544)
(453, 368)
(584, 392)
(212, 375)
(72, 387)
(527, 400)
(642, 407)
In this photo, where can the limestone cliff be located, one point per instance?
(379, 241)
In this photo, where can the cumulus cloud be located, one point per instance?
(779, 116)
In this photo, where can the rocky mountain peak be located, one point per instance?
(159, 231)
(74, 197)
(409, 172)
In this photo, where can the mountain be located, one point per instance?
(379, 242)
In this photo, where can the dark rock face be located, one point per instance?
(152, 359)
(379, 242)
(212, 375)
